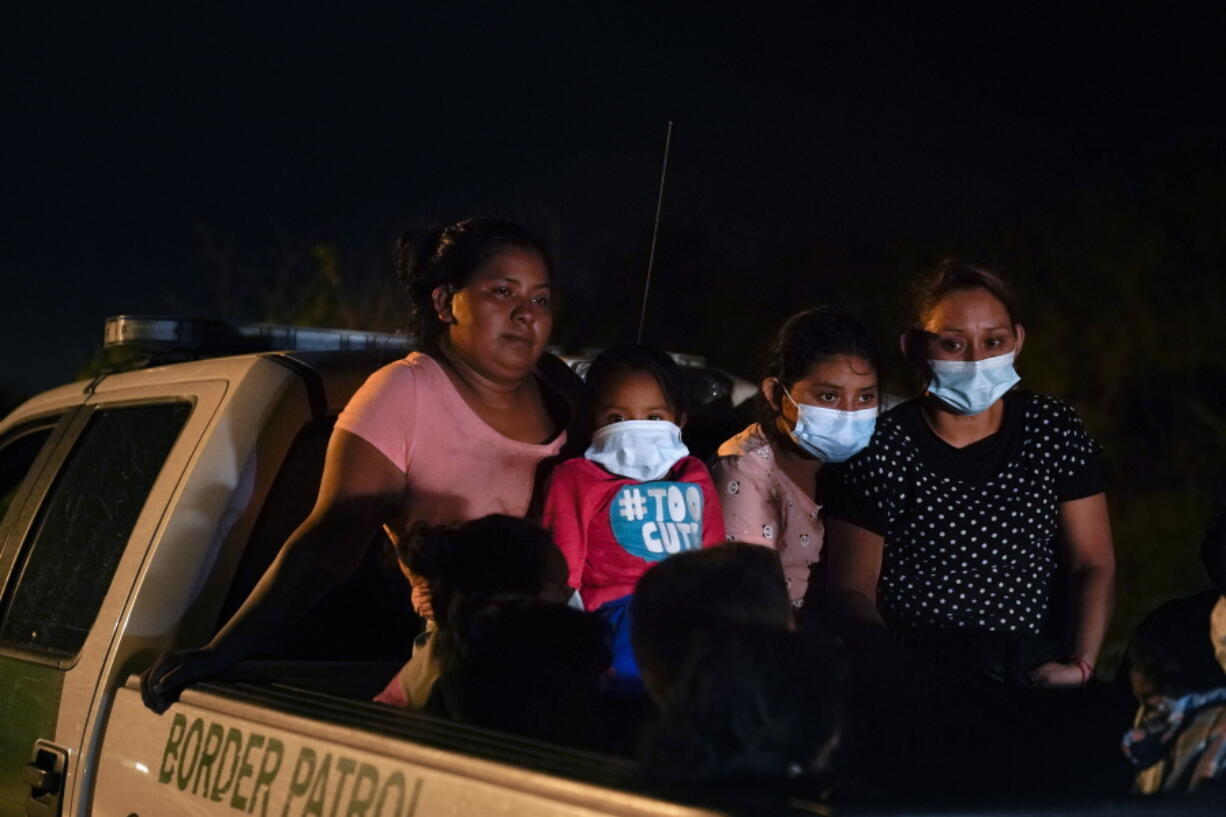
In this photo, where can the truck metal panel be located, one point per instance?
(214, 755)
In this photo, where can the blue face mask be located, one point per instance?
(832, 435)
(971, 386)
(644, 450)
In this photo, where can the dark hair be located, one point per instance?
(951, 275)
(448, 256)
(525, 666)
(805, 340)
(619, 360)
(495, 554)
(734, 583)
(752, 705)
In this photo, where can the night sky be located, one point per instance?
(130, 128)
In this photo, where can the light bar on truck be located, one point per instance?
(162, 334)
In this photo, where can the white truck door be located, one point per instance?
(29, 693)
(70, 559)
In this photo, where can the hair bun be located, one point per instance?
(414, 248)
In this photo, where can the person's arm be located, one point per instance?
(853, 563)
(360, 490)
(1090, 558)
(563, 516)
(853, 557)
(743, 499)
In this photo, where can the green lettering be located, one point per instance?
(345, 766)
(304, 770)
(315, 803)
(177, 727)
(396, 780)
(234, 739)
(185, 772)
(245, 770)
(212, 742)
(363, 796)
(263, 780)
(413, 800)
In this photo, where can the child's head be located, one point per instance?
(821, 357)
(1153, 670)
(636, 383)
(493, 555)
(736, 584)
(751, 705)
(527, 667)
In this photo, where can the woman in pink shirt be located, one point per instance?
(451, 433)
(820, 405)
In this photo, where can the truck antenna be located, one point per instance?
(655, 232)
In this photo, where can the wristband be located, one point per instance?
(1087, 669)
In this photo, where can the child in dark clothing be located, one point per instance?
(734, 584)
(493, 555)
(750, 706)
(1176, 666)
(525, 666)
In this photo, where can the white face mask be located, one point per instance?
(638, 449)
(971, 386)
(832, 435)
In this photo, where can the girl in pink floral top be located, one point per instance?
(819, 405)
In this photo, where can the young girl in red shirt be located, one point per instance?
(636, 496)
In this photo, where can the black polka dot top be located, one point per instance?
(970, 533)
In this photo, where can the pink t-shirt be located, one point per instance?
(611, 529)
(457, 467)
(763, 506)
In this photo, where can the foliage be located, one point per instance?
(305, 283)
(300, 283)
(108, 360)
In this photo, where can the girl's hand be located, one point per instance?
(161, 684)
(1059, 674)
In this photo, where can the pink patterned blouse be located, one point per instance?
(763, 506)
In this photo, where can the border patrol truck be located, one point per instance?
(138, 510)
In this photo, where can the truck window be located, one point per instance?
(80, 532)
(17, 452)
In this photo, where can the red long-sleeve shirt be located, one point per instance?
(611, 529)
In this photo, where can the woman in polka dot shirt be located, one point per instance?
(972, 501)
(767, 476)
